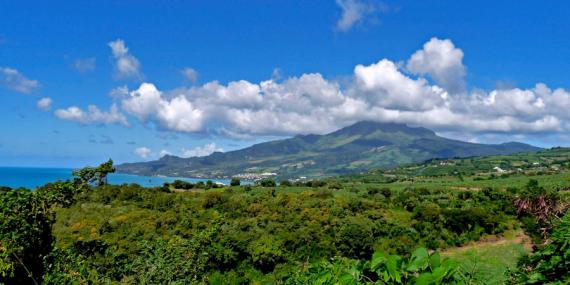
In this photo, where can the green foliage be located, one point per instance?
(26, 219)
(26, 238)
(235, 182)
(550, 264)
(328, 231)
(263, 233)
(97, 175)
(180, 184)
(267, 183)
(315, 183)
(419, 268)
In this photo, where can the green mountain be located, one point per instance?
(355, 148)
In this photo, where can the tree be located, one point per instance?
(267, 183)
(27, 217)
(26, 230)
(235, 182)
(179, 184)
(97, 175)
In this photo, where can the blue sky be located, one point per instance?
(252, 59)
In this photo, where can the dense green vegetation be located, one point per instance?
(398, 226)
(352, 149)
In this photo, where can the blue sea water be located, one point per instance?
(31, 178)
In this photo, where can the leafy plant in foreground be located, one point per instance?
(549, 265)
(26, 219)
(419, 268)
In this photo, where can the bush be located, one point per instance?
(235, 182)
(386, 192)
(549, 265)
(315, 183)
(428, 212)
(179, 184)
(419, 268)
(267, 183)
(285, 183)
(335, 186)
(212, 199)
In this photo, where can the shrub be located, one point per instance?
(235, 182)
(212, 199)
(267, 183)
(386, 192)
(420, 268)
(335, 186)
(315, 183)
(428, 212)
(549, 265)
(179, 184)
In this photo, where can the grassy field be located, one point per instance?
(551, 168)
(486, 261)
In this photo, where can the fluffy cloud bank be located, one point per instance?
(427, 90)
(205, 150)
(178, 113)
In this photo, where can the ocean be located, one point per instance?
(30, 177)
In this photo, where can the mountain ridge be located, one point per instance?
(355, 148)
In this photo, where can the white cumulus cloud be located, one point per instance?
(84, 65)
(382, 91)
(14, 80)
(44, 104)
(143, 152)
(93, 115)
(126, 65)
(164, 152)
(357, 11)
(177, 114)
(386, 86)
(204, 150)
(190, 74)
(442, 61)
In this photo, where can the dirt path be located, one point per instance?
(464, 188)
(520, 237)
(187, 191)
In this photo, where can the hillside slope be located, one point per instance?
(355, 148)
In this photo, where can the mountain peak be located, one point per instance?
(368, 127)
(355, 148)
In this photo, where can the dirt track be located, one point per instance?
(520, 237)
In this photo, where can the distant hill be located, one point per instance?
(355, 148)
